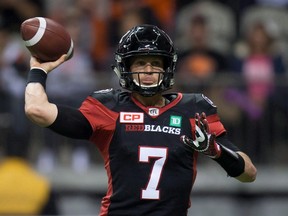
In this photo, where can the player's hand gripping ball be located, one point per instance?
(46, 39)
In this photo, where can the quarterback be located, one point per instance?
(149, 139)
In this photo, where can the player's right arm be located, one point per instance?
(37, 106)
(67, 121)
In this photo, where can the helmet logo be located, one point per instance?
(147, 47)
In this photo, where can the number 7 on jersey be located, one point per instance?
(145, 154)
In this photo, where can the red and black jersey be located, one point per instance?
(150, 172)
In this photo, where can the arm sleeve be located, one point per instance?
(231, 161)
(70, 122)
(223, 139)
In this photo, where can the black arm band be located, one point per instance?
(37, 75)
(231, 162)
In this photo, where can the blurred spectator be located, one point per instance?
(198, 64)
(259, 62)
(165, 13)
(92, 22)
(14, 12)
(238, 7)
(23, 191)
(220, 22)
(275, 21)
(126, 14)
(13, 66)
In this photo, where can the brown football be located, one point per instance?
(46, 39)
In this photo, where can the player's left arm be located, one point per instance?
(236, 163)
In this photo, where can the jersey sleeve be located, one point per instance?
(101, 119)
(216, 125)
(204, 104)
(214, 121)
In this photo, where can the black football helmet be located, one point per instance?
(145, 40)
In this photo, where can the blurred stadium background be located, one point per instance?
(235, 52)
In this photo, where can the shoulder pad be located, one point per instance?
(107, 97)
(205, 104)
(201, 98)
(200, 103)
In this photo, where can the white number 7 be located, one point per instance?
(145, 153)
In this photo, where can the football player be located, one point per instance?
(149, 139)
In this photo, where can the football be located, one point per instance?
(46, 39)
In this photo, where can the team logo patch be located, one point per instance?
(153, 111)
(131, 117)
(175, 121)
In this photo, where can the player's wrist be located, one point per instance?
(37, 75)
(231, 161)
(39, 68)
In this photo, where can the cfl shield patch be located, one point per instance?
(153, 111)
